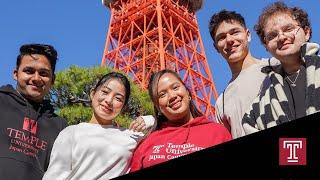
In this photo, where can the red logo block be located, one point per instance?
(292, 151)
(30, 125)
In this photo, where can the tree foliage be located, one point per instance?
(71, 96)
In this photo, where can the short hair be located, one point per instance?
(153, 93)
(118, 76)
(43, 49)
(224, 15)
(296, 13)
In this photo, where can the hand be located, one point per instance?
(138, 124)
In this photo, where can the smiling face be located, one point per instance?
(107, 101)
(232, 41)
(34, 77)
(173, 98)
(284, 37)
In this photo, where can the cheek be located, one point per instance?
(162, 103)
(118, 105)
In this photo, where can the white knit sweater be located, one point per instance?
(92, 151)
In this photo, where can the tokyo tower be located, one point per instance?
(145, 36)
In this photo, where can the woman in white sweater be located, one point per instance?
(98, 149)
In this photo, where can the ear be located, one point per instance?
(265, 46)
(15, 74)
(307, 32)
(248, 35)
(91, 94)
(53, 79)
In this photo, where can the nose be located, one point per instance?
(36, 78)
(172, 96)
(229, 38)
(108, 99)
(281, 36)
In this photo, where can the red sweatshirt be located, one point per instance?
(171, 142)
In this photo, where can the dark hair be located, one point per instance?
(47, 50)
(153, 93)
(118, 76)
(224, 15)
(279, 7)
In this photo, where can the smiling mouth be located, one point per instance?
(175, 105)
(232, 49)
(34, 87)
(284, 46)
(105, 108)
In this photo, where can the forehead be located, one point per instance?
(226, 26)
(114, 85)
(36, 61)
(166, 80)
(278, 20)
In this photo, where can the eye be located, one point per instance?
(104, 92)
(221, 38)
(289, 29)
(120, 99)
(270, 36)
(235, 32)
(161, 94)
(28, 71)
(44, 73)
(176, 87)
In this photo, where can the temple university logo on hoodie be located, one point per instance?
(25, 140)
(30, 125)
(292, 151)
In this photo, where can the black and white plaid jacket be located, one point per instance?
(271, 107)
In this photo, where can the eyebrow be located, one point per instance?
(173, 84)
(231, 30)
(41, 69)
(117, 93)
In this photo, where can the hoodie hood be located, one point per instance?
(43, 108)
(182, 132)
(193, 122)
(309, 49)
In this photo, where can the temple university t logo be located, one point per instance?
(30, 125)
(292, 151)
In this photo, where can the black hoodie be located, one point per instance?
(28, 131)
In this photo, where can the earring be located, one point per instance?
(159, 113)
(189, 98)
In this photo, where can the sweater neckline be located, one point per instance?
(98, 125)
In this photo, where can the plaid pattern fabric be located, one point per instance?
(271, 107)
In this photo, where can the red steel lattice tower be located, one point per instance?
(146, 36)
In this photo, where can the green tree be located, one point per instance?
(70, 96)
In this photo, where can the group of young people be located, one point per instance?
(36, 143)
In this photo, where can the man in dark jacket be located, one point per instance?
(28, 123)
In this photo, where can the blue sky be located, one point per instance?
(77, 29)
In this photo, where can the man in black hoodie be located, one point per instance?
(27, 121)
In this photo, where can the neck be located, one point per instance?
(182, 121)
(238, 66)
(292, 65)
(96, 120)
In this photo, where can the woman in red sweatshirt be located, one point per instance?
(181, 127)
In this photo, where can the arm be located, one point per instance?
(249, 120)
(143, 123)
(61, 156)
(222, 118)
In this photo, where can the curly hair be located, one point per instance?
(296, 13)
